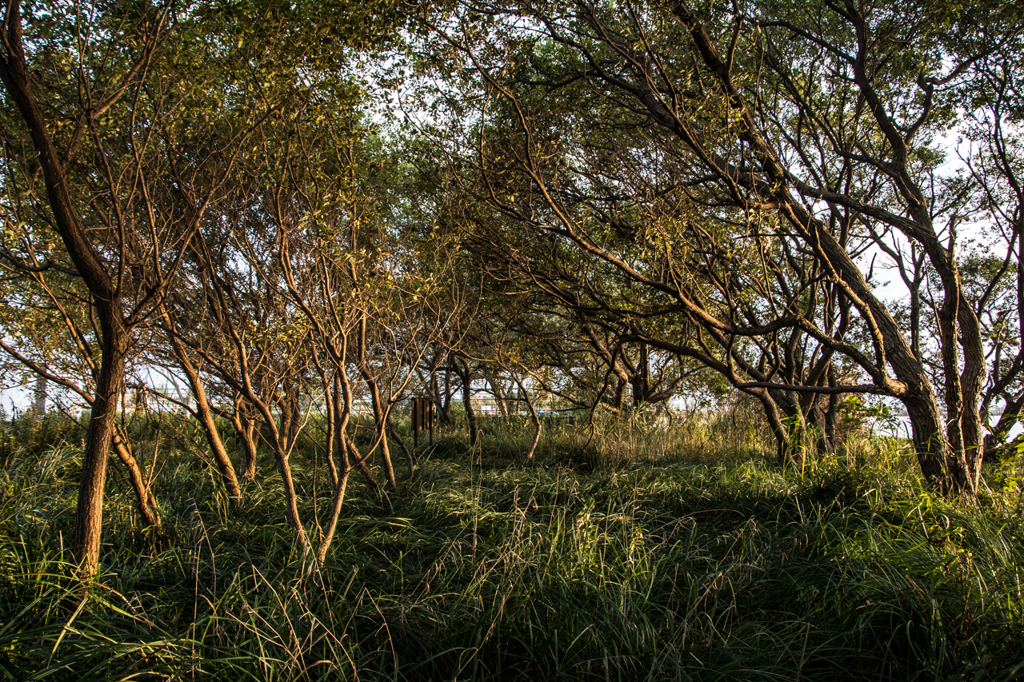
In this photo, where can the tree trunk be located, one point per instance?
(933, 449)
(777, 424)
(410, 458)
(534, 417)
(497, 391)
(245, 431)
(281, 459)
(380, 411)
(640, 382)
(973, 383)
(291, 414)
(347, 450)
(39, 398)
(85, 543)
(995, 441)
(220, 454)
(205, 414)
(250, 446)
(830, 413)
(385, 451)
(332, 520)
(145, 501)
(446, 399)
(331, 390)
(466, 377)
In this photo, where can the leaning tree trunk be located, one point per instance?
(783, 445)
(220, 454)
(281, 459)
(205, 414)
(952, 466)
(410, 458)
(85, 543)
(145, 500)
(534, 417)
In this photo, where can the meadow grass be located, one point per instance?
(653, 552)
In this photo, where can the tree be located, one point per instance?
(994, 269)
(797, 135)
(84, 82)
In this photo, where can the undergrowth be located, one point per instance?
(595, 561)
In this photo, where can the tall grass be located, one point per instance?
(584, 443)
(611, 556)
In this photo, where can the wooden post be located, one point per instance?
(422, 418)
(415, 424)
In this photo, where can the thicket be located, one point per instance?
(649, 551)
